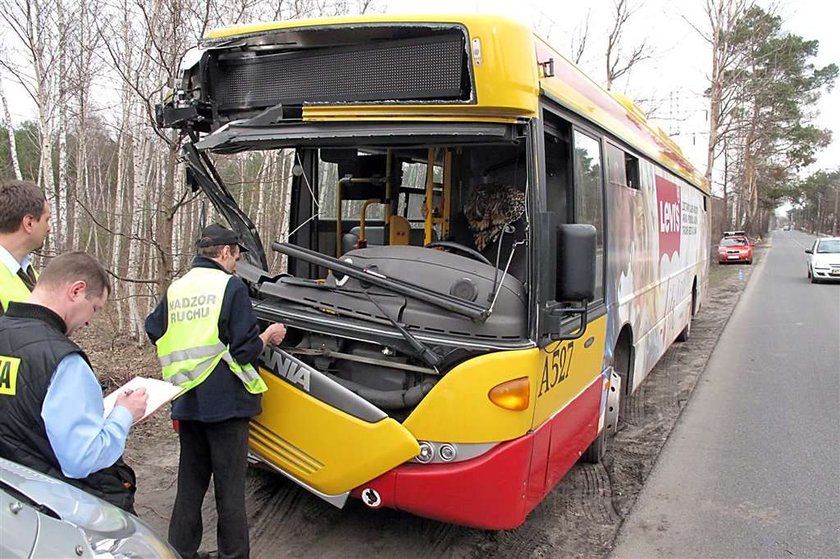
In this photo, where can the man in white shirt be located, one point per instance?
(24, 225)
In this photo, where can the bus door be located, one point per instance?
(570, 384)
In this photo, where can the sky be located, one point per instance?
(672, 80)
(675, 77)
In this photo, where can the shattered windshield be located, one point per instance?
(470, 195)
(428, 240)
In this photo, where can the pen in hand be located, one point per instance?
(134, 401)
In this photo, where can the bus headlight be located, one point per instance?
(512, 395)
(427, 453)
(447, 452)
(443, 453)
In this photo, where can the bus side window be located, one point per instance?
(616, 174)
(557, 156)
(589, 204)
(622, 168)
(631, 167)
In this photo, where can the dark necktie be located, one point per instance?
(28, 277)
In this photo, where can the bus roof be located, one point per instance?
(511, 67)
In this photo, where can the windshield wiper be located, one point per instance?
(442, 300)
(422, 351)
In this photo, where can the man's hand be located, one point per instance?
(274, 334)
(134, 402)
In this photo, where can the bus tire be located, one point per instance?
(596, 450)
(686, 332)
(598, 447)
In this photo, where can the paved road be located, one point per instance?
(752, 468)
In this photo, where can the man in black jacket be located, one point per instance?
(51, 407)
(207, 339)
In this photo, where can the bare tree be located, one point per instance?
(7, 118)
(722, 16)
(82, 45)
(617, 64)
(581, 35)
(59, 234)
(31, 22)
(112, 174)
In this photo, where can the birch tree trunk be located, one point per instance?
(165, 269)
(37, 37)
(83, 53)
(7, 118)
(61, 195)
(138, 198)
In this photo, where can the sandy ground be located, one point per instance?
(580, 518)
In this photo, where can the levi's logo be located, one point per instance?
(669, 210)
(8, 374)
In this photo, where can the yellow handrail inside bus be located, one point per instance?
(447, 189)
(430, 184)
(363, 216)
(338, 219)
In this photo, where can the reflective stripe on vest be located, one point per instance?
(12, 288)
(190, 348)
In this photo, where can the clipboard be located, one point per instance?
(160, 393)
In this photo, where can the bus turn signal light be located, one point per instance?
(512, 395)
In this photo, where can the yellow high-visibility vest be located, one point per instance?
(190, 348)
(12, 288)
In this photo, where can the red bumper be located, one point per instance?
(497, 490)
(743, 257)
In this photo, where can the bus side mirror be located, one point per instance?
(574, 247)
(575, 279)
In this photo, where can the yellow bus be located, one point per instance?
(487, 251)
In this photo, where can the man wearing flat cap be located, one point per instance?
(207, 340)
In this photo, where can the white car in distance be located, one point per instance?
(824, 260)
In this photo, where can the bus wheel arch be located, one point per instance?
(620, 383)
(686, 332)
(623, 359)
(695, 300)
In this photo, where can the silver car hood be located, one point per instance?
(68, 502)
(826, 259)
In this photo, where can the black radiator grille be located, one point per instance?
(427, 69)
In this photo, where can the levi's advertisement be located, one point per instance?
(669, 210)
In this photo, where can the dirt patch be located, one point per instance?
(580, 518)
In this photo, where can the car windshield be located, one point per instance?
(829, 247)
(733, 242)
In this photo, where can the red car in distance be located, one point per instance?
(735, 248)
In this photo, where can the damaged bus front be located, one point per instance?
(434, 309)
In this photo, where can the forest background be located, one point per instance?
(94, 70)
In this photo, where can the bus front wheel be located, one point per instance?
(598, 448)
